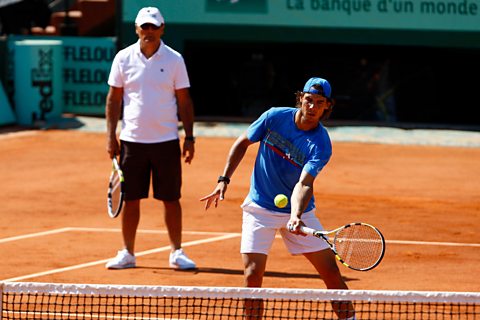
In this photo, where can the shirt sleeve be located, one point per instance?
(181, 75)
(115, 79)
(257, 130)
(321, 154)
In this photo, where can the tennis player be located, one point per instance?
(150, 81)
(294, 147)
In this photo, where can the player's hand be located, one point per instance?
(293, 226)
(113, 147)
(188, 151)
(215, 196)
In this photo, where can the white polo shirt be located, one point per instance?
(150, 105)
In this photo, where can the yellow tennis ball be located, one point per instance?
(280, 200)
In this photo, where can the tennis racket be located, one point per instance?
(358, 246)
(115, 190)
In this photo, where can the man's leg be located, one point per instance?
(130, 220)
(254, 269)
(130, 217)
(326, 265)
(173, 221)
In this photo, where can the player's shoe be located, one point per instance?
(123, 260)
(179, 260)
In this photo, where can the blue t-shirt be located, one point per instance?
(283, 153)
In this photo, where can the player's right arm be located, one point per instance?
(113, 110)
(301, 195)
(235, 156)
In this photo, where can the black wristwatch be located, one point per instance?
(224, 179)
(190, 138)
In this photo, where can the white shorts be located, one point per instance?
(260, 226)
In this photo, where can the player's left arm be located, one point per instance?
(301, 195)
(235, 156)
(186, 114)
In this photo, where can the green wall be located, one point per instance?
(447, 23)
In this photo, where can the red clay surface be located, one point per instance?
(415, 194)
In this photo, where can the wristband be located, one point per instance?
(190, 138)
(224, 179)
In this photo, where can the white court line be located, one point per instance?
(431, 243)
(67, 229)
(219, 236)
(32, 235)
(145, 231)
(16, 134)
(138, 254)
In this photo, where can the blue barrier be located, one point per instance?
(6, 113)
(38, 81)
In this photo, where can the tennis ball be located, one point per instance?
(280, 200)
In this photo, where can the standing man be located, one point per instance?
(294, 147)
(151, 81)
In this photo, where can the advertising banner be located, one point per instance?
(85, 66)
(420, 15)
(37, 81)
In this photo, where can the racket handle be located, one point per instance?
(307, 230)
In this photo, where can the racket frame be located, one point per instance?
(115, 168)
(324, 235)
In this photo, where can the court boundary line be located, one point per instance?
(116, 230)
(137, 254)
(86, 229)
(217, 236)
(433, 243)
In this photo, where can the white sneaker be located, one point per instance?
(179, 260)
(123, 260)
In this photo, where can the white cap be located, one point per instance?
(149, 15)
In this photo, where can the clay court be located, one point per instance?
(55, 228)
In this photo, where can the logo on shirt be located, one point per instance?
(284, 148)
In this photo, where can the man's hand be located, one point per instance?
(294, 224)
(188, 151)
(217, 194)
(113, 147)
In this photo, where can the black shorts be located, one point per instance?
(161, 161)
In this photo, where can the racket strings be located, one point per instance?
(359, 246)
(115, 183)
(114, 194)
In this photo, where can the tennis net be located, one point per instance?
(30, 300)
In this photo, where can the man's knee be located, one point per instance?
(253, 278)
